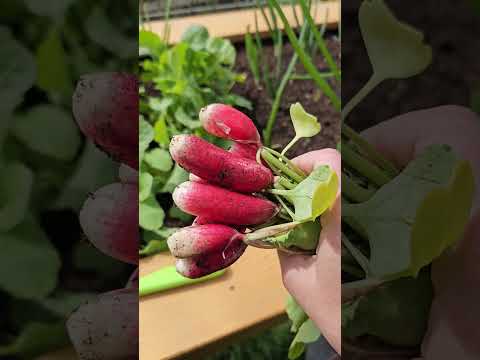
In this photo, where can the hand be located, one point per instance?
(454, 316)
(315, 281)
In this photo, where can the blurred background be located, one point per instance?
(47, 168)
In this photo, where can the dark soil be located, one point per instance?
(303, 91)
(450, 27)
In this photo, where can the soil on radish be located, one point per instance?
(303, 91)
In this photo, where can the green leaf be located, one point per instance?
(54, 8)
(104, 33)
(15, 193)
(146, 135)
(153, 247)
(305, 124)
(37, 339)
(161, 132)
(93, 170)
(223, 49)
(34, 129)
(151, 214)
(396, 50)
(238, 100)
(159, 159)
(62, 303)
(176, 213)
(314, 195)
(196, 36)
(304, 236)
(27, 249)
(178, 176)
(308, 333)
(54, 73)
(295, 313)
(182, 117)
(396, 312)
(411, 220)
(17, 70)
(145, 182)
(149, 43)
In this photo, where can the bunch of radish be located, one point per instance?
(105, 107)
(236, 198)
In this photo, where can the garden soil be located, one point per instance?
(303, 91)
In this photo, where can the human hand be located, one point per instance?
(454, 315)
(315, 281)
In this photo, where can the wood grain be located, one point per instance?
(234, 24)
(180, 322)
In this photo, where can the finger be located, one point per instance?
(308, 161)
(222, 206)
(402, 138)
(218, 166)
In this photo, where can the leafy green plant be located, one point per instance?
(177, 81)
(47, 168)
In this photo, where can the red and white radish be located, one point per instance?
(109, 219)
(228, 123)
(248, 151)
(195, 240)
(106, 327)
(221, 205)
(204, 264)
(218, 166)
(105, 106)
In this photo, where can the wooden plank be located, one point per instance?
(186, 321)
(234, 24)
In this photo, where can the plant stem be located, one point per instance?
(364, 91)
(353, 191)
(275, 163)
(357, 255)
(287, 161)
(267, 133)
(364, 166)
(305, 59)
(308, 77)
(355, 289)
(270, 231)
(369, 150)
(286, 183)
(320, 42)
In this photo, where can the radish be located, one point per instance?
(201, 221)
(109, 219)
(193, 177)
(204, 264)
(105, 107)
(227, 122)
(223, 206)
(195, 240)
(107, 326)
(218, 166)
(248, 151)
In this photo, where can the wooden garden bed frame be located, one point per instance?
(233, 24)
